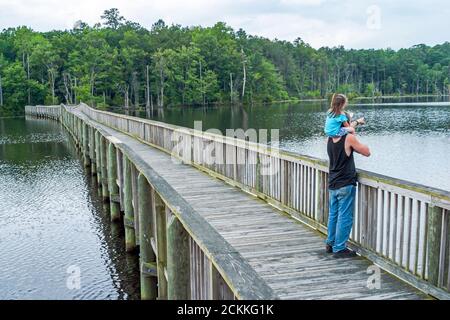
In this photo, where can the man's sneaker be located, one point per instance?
(329, 249)
(345, 253)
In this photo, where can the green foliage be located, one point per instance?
(14, 82)
(106, 64)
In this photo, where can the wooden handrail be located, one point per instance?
(402, 226)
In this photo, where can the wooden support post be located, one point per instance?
(159, 210)
(120, 177)
(84, 145)
(130, 236)
(114, 197)
(98, 162)
(79, 134)
(135, 201)
(148, 268)
(85, 132)
(434, 243)
(75, 130)
(92, 150)
(178, 285)
(104, 168)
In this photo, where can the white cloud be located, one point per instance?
(302, 2)
(318, 22)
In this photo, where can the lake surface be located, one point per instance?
(53, 224)
(409, 140)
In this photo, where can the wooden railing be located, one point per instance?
(401, 226)
(53, 112)
(181, 255)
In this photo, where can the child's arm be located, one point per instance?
(351, 123)
(348, 124)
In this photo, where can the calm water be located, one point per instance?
(409, 141)
(52, 221)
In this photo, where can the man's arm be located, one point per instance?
(351, 142)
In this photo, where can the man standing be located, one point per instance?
(342, 190)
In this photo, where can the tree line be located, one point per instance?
(120, 63)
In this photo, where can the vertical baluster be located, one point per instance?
(414, 240)
(393, 226)
(400, 230)
(408, 215)
(421, 243)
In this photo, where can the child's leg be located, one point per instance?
(345, 130)
(350, 130)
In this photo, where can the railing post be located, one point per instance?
(130, 236)
(92, 150)
(258, 173)
(159, 210)
(178, 285)
(87, 160)
(104, 168)
(321, 198)
(79, 133)
(434, 243)
(113, 187)
(135, 202)
(98, 162)
(148, 268)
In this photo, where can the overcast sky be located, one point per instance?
(352, 23)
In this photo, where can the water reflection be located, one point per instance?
(51, 218)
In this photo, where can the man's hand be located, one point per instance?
(361, 120)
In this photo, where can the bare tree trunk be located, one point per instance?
(231, 88)
(66, 88)
(417, 86)
(92, 83)
(151, 102)
(126, 98)
(244, 69)
(147, 90)
(51, 74)
(1, 92)
(75, 91)
(135, 88)
(28, 78)
(161, 97)
(202, 85)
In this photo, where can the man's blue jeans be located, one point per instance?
(340, 219)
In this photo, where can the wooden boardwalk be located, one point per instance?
(287, 254)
